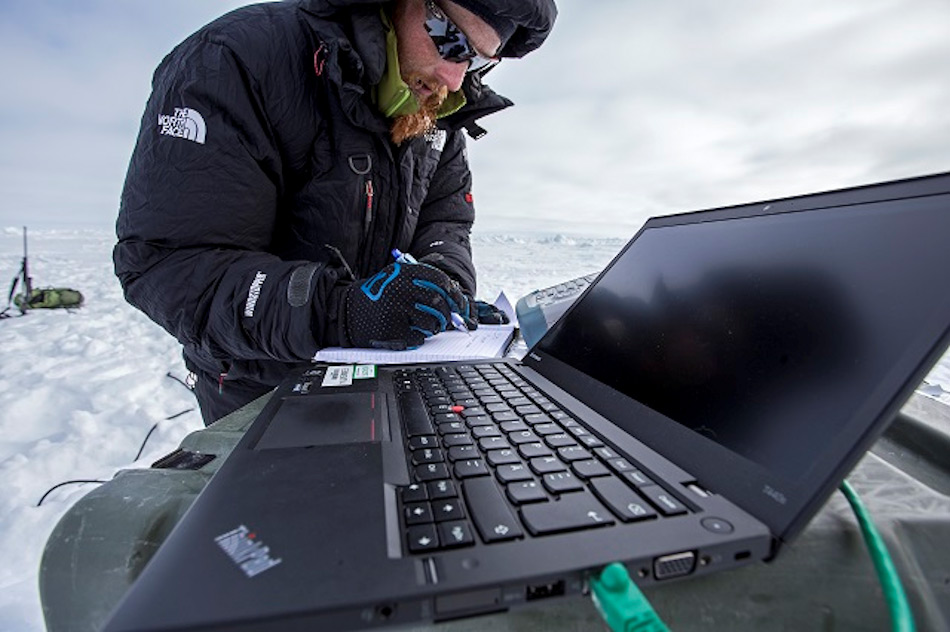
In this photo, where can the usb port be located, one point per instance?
(675, 565)
(543, 591)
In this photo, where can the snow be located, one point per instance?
(82, 389)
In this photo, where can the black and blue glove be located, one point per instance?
(400, 307)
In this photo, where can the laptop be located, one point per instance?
(689, 414)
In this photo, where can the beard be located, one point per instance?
(418, 123)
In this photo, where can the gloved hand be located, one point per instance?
(399, 307)
(488, 314)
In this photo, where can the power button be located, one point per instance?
(717, 525)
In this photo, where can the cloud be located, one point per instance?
(631, 109)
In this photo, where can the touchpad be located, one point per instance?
(323, 420)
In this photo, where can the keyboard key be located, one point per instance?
(479, 420)
(418, 513)
(489, 510)
(479, 432)
(414, 493)
(590, 441)
(502, 457)
(623, 501)
(524, 436)
(462, 452)
(578, 431)
(493, 443)
(560, 482)
(589, 468)
(620, 465)
(449, 509)
(638, 478)
(548, 429)
(431, 471)
(422, 538)
(451, 440)
(537, 419)
(531, 450)
(456, 533)
(513, 472)
(471, 467)
(520, 400)
(573, 453)
(427, 455)
(423, 441)
(569, 513)
(527, 409)
(441, 489)
(514, 426)
(606, 453)
(526, 492)
(547, 464)
(414, 414)
(663, 500)
(451, 427)
(497, 408)
(505, 415)
(560, 440)
(474, 411)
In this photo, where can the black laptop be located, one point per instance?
(689, 414)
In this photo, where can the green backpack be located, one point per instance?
(49, 298)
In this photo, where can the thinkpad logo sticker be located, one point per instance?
(184, 123)
(244, 549)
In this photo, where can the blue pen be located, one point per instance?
(457, 321)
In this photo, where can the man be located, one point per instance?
(286, 151)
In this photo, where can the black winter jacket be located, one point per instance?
(261, 163)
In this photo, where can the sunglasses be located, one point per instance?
(451, 42)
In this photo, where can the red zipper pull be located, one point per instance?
(369, 205)
(221, 377)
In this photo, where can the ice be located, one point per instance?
(81, 389)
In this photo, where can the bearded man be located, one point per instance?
(286, 151)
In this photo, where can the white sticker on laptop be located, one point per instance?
(364, 371)
(338, 376)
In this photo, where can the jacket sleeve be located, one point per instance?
(197, 215)
(447, 214)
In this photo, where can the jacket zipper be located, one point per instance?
(368, 217)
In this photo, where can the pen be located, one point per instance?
(457, 321)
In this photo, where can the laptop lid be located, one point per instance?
(764, 347)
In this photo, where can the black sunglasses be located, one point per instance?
(451, 42)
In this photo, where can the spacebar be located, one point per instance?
(572, 511)
(490, 511)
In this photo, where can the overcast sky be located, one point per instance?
(633, 107)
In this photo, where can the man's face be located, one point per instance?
(427, 74)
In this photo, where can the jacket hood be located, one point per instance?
(356, 40)
(522, 24)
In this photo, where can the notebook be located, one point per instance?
(689, 414)
(487, 341)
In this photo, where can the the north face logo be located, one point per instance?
(184, 123)
(436, 138)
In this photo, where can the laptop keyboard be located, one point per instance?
(494, 460)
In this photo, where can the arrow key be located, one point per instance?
(418, 513)
(449, 509)
(422, 538)
(457, 533)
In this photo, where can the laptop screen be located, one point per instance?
(765, 333)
